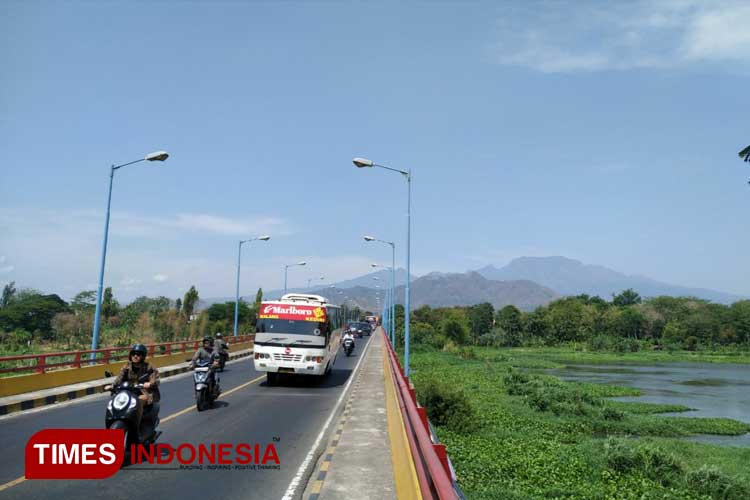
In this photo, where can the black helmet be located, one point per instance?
(140, 349)
(208, 338)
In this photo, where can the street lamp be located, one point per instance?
(392, 316)
(155, 156)
(310, 280)
(362, 163)
(745, 155)
(286, 269)
(237, 291)
(388, 310)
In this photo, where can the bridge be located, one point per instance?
(358, 434)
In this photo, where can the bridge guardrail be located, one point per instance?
(39, 363)
(434, 470)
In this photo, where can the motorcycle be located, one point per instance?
(122, 413)
(348, 346)
(223, 358)
(206, 384)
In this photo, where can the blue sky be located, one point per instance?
(602, 132)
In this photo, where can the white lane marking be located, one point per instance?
(289, 495)
(98, 395)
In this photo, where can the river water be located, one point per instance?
(712, 390)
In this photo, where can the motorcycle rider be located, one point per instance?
(348, 335)
(135, 368)
(207, 353)
(220, 345)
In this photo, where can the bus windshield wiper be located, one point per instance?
(303, 341)
(277, 339)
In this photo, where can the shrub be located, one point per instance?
(690, 343)
(467, 353)
(652, 461)
(447, 406)
(710, 481)
(620, 457)
(609, 413)
(660, 465)
(450, 347)
(601, 343)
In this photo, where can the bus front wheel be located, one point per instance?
(272, 378)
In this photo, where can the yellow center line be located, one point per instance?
(21, 479)
(190, 408)
(12, 483)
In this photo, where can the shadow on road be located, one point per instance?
(334, 379)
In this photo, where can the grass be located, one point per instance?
(538, 437)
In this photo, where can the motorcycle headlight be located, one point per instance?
(201, 376)
(121, 401)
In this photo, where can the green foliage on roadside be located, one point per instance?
(538, 437)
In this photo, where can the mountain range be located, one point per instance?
(571, 277)
(526, 282)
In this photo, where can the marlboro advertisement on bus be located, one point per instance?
(292, 312)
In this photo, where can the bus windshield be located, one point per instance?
(290, 327)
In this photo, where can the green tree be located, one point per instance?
(631, 323)
(84, 302)
(258, 298)
(426, 314)
(510, 319)
(480, 319)
(455, 330)
(739, 318)
(535, 325)
(110, 306)
(33, 313)
(9, 290)
(423, 333)
(627, 297)
(569, 320)
(178, 304)
(189, 302)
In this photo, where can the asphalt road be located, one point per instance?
(293, 414)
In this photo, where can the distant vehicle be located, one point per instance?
(359, 329)
(373, 320)
(299, 334)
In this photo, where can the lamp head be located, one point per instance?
(369, 238)
(265, 237)
(157, 156)
(362, 162)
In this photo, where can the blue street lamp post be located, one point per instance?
(391, 293)
(156, 156)
(362, 163)
(286, 271)
(237, 291)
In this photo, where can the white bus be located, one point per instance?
(298, 334)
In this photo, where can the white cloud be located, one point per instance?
(6, 269)
(161, 278)
(572, 37)
(130, 282)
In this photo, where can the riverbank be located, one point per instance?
(515, 433)
(581, 355)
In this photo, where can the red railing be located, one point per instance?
(40, 363)
(433, 467)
